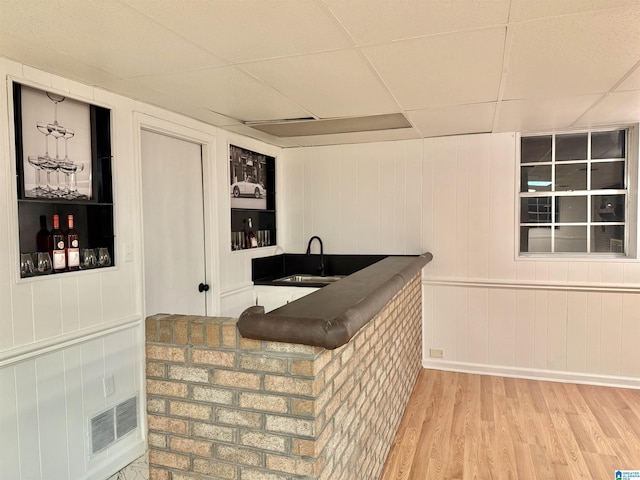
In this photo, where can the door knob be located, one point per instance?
(203, 287)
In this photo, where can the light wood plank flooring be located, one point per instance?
(461, 426)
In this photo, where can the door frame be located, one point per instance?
(207, 141)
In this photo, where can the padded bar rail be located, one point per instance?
(331, 316)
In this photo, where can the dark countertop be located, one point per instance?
(330, 316)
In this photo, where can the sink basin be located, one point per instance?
(309, 278)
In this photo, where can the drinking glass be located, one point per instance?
(26, 265)
(104, 259)
(88, 258)
(43, 263)
(36, 163)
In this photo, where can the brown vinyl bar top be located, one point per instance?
(331, 316)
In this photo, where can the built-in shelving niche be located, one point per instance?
(93, 213)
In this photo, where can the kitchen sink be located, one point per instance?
(309, 278)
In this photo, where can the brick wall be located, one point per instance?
(224, 407)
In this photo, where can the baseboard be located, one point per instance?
(534, 374)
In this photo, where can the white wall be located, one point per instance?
(60, 336)
(489, 310)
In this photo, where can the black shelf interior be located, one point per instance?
(93, 218)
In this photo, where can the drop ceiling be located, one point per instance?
(448, 66)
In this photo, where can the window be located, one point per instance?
(574, 193)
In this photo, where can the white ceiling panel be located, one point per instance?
(454, 120)
(450, 69)
(228, 91)
(632, 82)
(106, 34)
(356, 137)
(622, 107)
(243, 30)
(332, 84)
(542, 114)
(572, 55)
(529, 10)
(376, 21)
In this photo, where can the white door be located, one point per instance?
(174, 241)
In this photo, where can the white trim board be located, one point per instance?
(533, 374)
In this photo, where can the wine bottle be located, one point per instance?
(72, 241)
(42, 237)
(252, 241)
(58, 254)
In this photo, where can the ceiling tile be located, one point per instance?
(456, 120)
(452, 69)
(102, 34)
(542, 115)
(228, 91)
(528, 10)
(375, 21)
(572, 55)
(615, 108)
(332, 84)
(632, 82)
(243, 30)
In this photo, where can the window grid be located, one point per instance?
(554, 194)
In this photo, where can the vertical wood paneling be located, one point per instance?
(52, 417)
(540, 330)
(502, 330)
(295, 202)
(90, 301)
(557, 330)
(630, 353)
(413, 154)
(119, 361)
(611, 334)
(444, 316)
(501, 207)
(368, 221)
(29, 436)
(462, 206)
(428, 181)
(388, 151)
(612, 272)
(307, 199)
(479, 234)
(75, 417)
(461, 320)
(558, 271)
(444, 206)
(92, 377)
(69, 304)
(577, 271)
(9, 451)
(525, 270)
(23, 332)
(117, 293)
(322, 200)
(400, 204)
(525, 328)
(335, 165)
(350, 208)
(577, 321)
(478, 325)
(594, 324)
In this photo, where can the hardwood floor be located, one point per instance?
(461, 426)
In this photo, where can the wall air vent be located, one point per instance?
(296, 128)
(110, 425)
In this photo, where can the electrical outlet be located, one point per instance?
(109, 386)
(436, 353)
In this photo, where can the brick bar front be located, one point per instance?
(220, 406)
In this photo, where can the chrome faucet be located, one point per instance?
(321, 252)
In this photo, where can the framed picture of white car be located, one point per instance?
(248, 178)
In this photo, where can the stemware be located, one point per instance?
(104, 259)
(27, 268)
(36, 163)
(43, 263)
(88, 258)
(73, 184)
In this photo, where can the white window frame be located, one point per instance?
(631, 198)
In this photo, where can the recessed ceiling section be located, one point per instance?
(453, 69)
(456, 120)
(334, 125)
